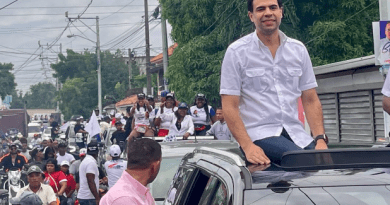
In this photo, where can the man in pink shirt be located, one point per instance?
(143, 165)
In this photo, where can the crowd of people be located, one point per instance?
(170, 119)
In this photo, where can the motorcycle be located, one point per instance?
(12, 181)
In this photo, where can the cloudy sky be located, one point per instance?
(25, 23)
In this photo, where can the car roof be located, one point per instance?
(313, 168)
(180, 148)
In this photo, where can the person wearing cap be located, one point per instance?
(115, 167)
(169, 106)
(181, 123)
(13, 159)
(55, 130)
(89, 177)
(119, 135)
(55, 178)
(36, 141)
(79, 129)
(202, 115)
(143, 166)
(74, 167)
(70, 184)
(62, 155)
(141, 118)
(163, 95)
(45, 192)
(26, 198)
(37, 157)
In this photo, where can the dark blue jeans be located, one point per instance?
(87, 202)
(274, 147)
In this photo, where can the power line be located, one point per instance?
(65, 7)
(86, 8)
(8, 5)
(127, 12)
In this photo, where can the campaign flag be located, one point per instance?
(93, 127)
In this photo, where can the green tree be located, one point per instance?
(41, 96)
(78, 74)
(7, 79)
(17, 100)
(205, 28)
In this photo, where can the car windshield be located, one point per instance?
(160, 185)
(32, 129)
(47, 131)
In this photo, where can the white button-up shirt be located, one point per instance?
(186, 125)
(268, 88)
(386, 87)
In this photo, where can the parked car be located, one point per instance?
(335, 176)
(46, 133)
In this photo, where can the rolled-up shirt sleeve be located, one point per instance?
(230, 74)
(386, 87)
(307, 80)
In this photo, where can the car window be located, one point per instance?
(167, 171)
(32, 129)
(221, 195)
(201, 181)
(178, 183)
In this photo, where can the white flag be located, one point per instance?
(93, 127)
(64, 127)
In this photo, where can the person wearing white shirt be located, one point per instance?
(140, 113)
(36, 141)
(220, 130)
(115, 167)
(169, 107)
(202, 114)
(153, 113)
(263, 75)
(88, 192)
(386, 95)
(62, 155)
(181, 123)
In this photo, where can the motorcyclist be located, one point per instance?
(36, 142)
(13, 159)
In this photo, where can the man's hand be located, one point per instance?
(255, 155)
(186, 135)
(146, 103)
(321, 144)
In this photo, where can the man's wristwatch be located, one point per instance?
(323, 136)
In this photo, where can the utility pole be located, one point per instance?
(25, 119)
(58, 83)
(148, 77)
(97, 54)
(99, 71)
(130, 68)
(165, 48)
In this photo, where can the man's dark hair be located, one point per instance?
(142, 153)
(23, 140)
(47, 151)
(250, 4)
(52, 161)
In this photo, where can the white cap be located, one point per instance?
(118, 115)
(65, 162)
(115, 150)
